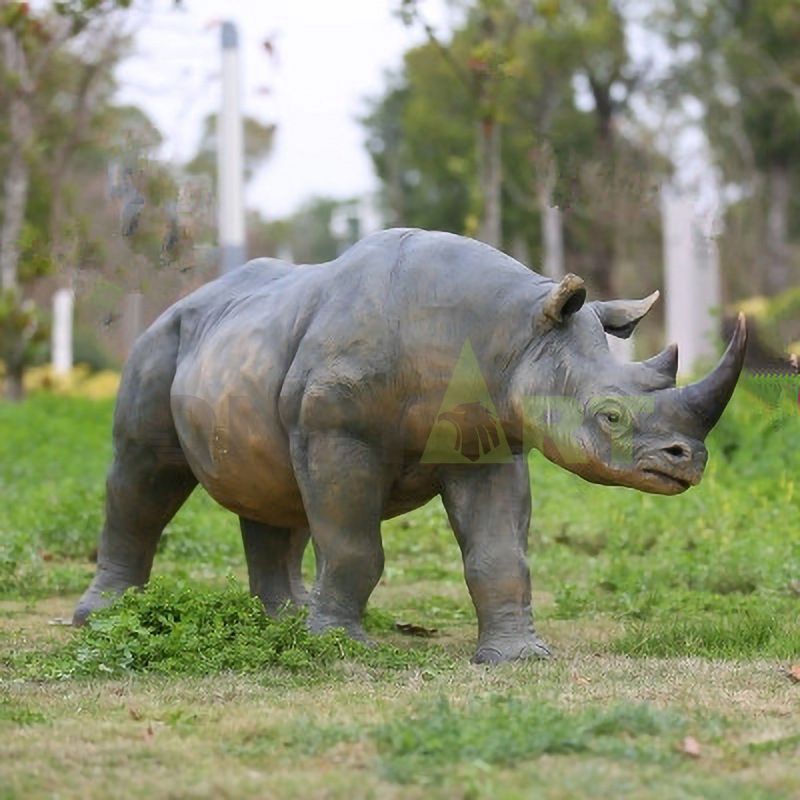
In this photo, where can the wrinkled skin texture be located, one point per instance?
(302, 398)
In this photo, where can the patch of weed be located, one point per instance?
(504, 731)
(776, 745)
(18, 714)
(27, 572)
(173, 628)
(303, 736)
(376, 620)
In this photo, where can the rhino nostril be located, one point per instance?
(678, 451)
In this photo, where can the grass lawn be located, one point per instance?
(674, 621)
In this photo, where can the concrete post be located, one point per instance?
(230, 156)
(61, 337)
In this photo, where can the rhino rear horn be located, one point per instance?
(565, 299)
(665, 363)
(706, 399)
(620, 317)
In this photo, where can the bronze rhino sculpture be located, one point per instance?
(304, 398)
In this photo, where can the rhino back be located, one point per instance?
(381, 349)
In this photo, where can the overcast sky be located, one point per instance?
(328, 57)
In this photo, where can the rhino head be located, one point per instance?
(610, 422)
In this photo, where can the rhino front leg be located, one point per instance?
(489, 507)
(343, 486)
(274, 563)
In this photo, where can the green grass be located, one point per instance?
(670, 617)
(505, 730)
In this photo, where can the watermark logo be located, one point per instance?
(779, 393)
(467, 429)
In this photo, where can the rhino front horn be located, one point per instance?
(706, 399)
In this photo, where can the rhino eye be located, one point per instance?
(610, 415)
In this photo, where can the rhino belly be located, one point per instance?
(235, 444)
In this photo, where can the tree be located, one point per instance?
(479, 57)
(555, 151)
(307, 236)
(41, 138)
(740, 61)
(258, 139)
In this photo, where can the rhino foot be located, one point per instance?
(110, 581)
(93, 600)
(320, 624)
(511, 649)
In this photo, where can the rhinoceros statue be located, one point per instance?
(306, 398)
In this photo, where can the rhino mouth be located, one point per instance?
(670, 480)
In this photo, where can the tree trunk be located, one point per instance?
(604, 224)
(15, 197)
(15, 391)
(491, 181)
(603, 259)
(551, 222)
(15, 184)
(778, 264)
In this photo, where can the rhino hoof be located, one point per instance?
(354, 630)
(513, 650)
(88, 604)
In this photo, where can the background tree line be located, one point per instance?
(545, 127)
(549, 93)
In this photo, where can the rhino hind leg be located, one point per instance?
(142, 496)
(344, 507)
(489, 508)
(274, 564)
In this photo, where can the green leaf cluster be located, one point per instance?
(174, 628)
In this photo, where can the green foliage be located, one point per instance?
(518, 65)
(81, 12)
(308, 234)
(53, 455)
(743, 66)
(257, 142)
(505, 731)
(708, 572)
(24, 332)
(303, 735)
(703, 572)
(15, 713)
(738, 62)
(173, 628)
(739, 631)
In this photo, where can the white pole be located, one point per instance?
(61, 343)
(230, 156)
(691, 283)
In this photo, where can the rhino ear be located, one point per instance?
(565, 298)
(620, 317)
